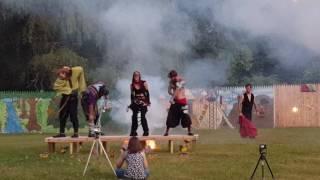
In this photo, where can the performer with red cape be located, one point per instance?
(247, 128)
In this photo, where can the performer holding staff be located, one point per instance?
(178, 109)
(140, 100)
(69, 84)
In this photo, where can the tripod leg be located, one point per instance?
(92, 147)
(107, 157)
(269, 168)
(255, 169)
(262, 169)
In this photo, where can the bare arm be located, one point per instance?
(145, 162)
(255, 106)
(170, 90)
(240, 105)
(92, 113)
(121, 159)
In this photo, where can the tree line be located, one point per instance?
(35, 41)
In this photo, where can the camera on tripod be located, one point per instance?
(262, 161)
(263, 149)
(97, 131)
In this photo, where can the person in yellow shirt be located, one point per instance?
(69, 84)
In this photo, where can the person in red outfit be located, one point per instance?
(246, 103)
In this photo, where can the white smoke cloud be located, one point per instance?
(296, 21)
(147, 35)
(205, 73)
(153, 36)
(157, 112)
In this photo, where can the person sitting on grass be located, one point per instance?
(135, 158)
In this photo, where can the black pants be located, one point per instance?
(177, 116)
(69, 105)
(135, 110)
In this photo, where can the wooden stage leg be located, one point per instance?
(75, 147)
(71, 148)
(193, 145)
(51, 147)
(105, 146)
(171, 146)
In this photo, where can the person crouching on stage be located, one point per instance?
(178, 108)
(89, 103)
(140, 100)
(70, 83)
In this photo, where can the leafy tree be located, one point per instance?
(42, 67)
(241, 66)
(312, 73)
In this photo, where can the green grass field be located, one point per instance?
(222, 154)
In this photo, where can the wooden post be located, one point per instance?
(51, 147)
(76, 147)
(171, 146)
(104, 144)
(71, 147)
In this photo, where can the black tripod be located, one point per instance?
(262, 160)
(97, 141)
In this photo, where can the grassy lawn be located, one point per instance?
(222, 154)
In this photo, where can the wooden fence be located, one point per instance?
(208, 115)
(295, 108)
(289, 106)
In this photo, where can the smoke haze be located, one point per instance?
(156, 36)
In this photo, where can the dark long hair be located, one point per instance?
(134, 145)
(136, 72)
(172, 73)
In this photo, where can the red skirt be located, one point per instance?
(182, 102)
(247, 129)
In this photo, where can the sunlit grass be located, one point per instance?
(222, 154)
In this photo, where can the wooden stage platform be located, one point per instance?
(75, 142)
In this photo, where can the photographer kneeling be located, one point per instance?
(137, 165)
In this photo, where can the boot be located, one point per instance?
(60, 135)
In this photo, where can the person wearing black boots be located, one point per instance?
(178, 111)
(69, 84)
(140, 100)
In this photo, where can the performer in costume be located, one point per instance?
(140, 100)
(69, 84)
(89, 102)
(178, 111)
(246, 103)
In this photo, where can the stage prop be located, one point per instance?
(74, 143)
